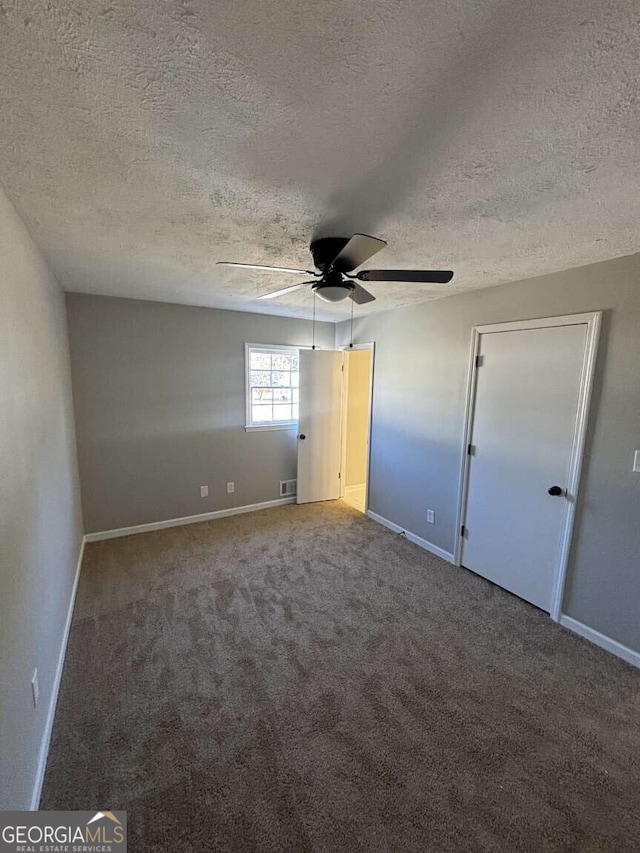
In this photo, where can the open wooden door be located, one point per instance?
(320, 425)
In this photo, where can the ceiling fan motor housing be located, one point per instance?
(326, 250)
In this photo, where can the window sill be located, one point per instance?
(268, 427)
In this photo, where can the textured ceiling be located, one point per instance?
(142, 141)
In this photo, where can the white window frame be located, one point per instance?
(274, 425)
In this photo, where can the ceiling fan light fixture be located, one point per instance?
(333, 292)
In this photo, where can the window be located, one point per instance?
(272, 386)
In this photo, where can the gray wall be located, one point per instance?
(419, 393)
(40, 520)
(160, 408)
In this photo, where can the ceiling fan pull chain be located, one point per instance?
(351, 344)
(313, 323)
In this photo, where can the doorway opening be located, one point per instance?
(356, 425)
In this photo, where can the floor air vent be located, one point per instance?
(287, 488)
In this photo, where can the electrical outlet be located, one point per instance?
(35, 687)
(231, 487)
(431, 516)
(204, 491)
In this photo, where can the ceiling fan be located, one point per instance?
(336, 258)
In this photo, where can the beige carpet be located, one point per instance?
(302, 679)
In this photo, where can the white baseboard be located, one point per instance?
(349, 489)
(417, 540)
(57, 678)
(601, 640)
(187, 519)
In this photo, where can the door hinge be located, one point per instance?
(463, 531)
(339, 475)
(471, 449)
(479, 360)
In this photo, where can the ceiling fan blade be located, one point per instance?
(284, 290)
(359, 249)
(361, 296)
(265, 267)
(426, 276)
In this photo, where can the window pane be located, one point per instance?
(260, 377)
(261, 414)
(273, 375)
(281, 361)
(260, 360)
(281, 395)
(261, 395)
(282, 413)
(281, 378)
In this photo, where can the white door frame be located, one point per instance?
(592, 320)
(369, 345)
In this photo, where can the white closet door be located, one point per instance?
(524, 424)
